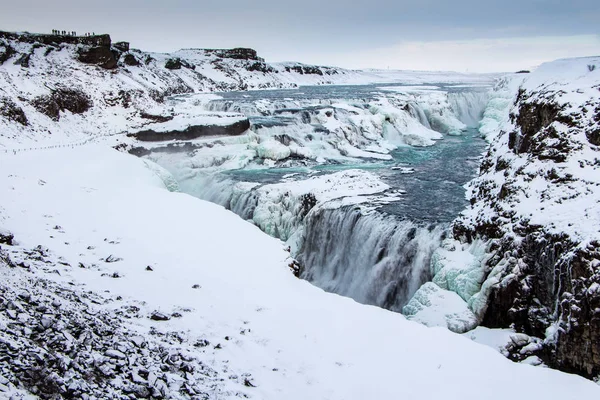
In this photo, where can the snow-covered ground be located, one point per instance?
(103, 217)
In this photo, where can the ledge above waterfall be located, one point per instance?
(184, 127)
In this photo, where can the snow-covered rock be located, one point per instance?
(536, 203)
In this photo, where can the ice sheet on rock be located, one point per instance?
(433, 306)
(168, 179)
(497, 339)
(279, 208)
(498, 106)
(273, 150)
(459, 267)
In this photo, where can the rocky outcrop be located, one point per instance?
(6, 52)
(193, 132)
(11, 111)
(101, 56)
(236, 54)
(129, 59)
(23, 60)
(61, 99)
(122, 46)
(536, 201)
(178, 63)
(310, 70)
(48, 39)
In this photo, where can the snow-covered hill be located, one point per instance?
(115, 286)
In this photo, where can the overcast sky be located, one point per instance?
(455, 35)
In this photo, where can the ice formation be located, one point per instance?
(434, 306)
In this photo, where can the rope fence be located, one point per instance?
(60, 146)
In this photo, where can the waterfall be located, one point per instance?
(417, 112)
(371, 257)
(468, 106)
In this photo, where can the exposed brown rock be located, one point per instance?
(194, 131)
(101, 56)
(62, 99)
(11, 111)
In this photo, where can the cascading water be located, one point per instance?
(375, 256)
(418, 113)
(469, 106)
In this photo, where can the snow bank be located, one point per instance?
(292, 340)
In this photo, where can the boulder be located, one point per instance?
(101, 56)
(173, 63)
(130, 60)
(122, 46)
(11, 111)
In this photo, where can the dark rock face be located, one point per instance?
(260, 67)
(12, 112)
(593, 136)
(23, 61)
(194, 132)
(6, 52)
(236, 54)
(156, 118)
(122, 46)
(101, 56)
(6, 237)
(304, 69)
(177, 63)
(552, 287)
(97, 40)
(130, 60)
(47, 106)
(62, 99)
(549, 280)
(173, 63)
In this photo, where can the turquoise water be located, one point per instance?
(379, 258)
(434, 192)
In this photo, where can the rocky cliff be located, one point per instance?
(537, 204)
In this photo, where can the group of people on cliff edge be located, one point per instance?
(70, 33)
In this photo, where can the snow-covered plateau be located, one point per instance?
(120, 280)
